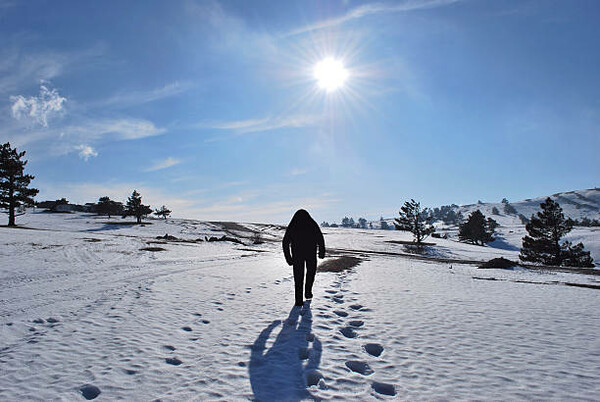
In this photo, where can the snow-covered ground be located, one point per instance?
(82, 304)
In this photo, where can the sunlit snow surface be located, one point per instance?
(110, 315)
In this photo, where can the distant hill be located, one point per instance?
(576, 204)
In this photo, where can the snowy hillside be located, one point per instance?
(88, 305)
(575, 204)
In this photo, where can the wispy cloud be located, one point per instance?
(140, 97)
(86, 152)
(372, 9)
(298, 172)
(264, 124)
(38, 109)
(167, 163)
(66, 139)
(19, 69)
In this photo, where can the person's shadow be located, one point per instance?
(289, 366)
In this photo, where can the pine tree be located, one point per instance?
(14, 185)
(477, 229)
(415, 220)
(508, 209)
(106, 206)
(135, 207)
(542, 244)
(163, 211)
(576, 256)
(362, 223)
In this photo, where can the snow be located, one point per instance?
(82, 306)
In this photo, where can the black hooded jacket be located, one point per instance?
(303, 235)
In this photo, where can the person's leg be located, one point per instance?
(311, 270)
(299, 280)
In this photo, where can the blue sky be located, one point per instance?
(212, 107)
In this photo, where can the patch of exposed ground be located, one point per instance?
(339, 264)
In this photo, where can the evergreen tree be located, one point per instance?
(163, 211)
(362, 223)
(477, 229)
(106, 206)
(415, 220)
(14, 185)
(135, 207)
(491, 225)
(576, 256)
(542, 244)
(325, 224)
(495, 211)
(508, 209)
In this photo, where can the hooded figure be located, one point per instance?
(303, 235)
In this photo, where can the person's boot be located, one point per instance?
(299, 304)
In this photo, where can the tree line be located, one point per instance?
(16, 192)
(542, 244)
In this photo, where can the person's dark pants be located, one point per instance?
(311, 270)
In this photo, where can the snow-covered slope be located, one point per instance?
(509, 235)
(575, 205)
(86, 303)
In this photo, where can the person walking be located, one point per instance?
(302, 237)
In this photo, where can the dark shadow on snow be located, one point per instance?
(289, 366)
(501, 243)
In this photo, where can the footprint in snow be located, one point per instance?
(383, 388)
(89, 391)
(359, 367)
(356, 323)
(187, 329)
(169, 347)
(348, 332)
(356, 307)
(374, 349)
(173, 361)
(340, 313)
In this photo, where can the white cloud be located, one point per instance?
(167, 163)
(140, 97)
(65, 139)
(264, 124)
(298, 172)
(372, 9)
(38, 108)
(86, 152)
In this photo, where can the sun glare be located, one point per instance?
(330, 74)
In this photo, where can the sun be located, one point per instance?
(330, 74)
